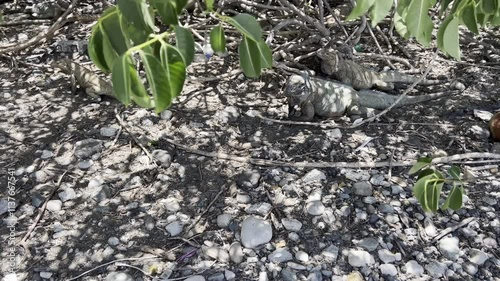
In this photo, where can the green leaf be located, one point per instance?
(137, 14)
(469, 17)
(425, 173)
(121, 79)
(399, 16)
(454, 200)
(158, 80)
(217, 39)
(421, 163)
(185, 43)
(173, 62)
(444, 5)
(379, 10)
(210, 5)
(362, 6)
(495, 21)
(133, 88)
(96, 48)
(440, 33)
(1, 17)
(112, 30)
(250, 59)
(167, 10)
(489, 6)
(450, 39)
(179, 5)
(418, 21)
(433, 193)
(108, 40)
(454, 172)
(247, 25)
(110, 55)
(420, 191)
(265, 54)
(139, 94)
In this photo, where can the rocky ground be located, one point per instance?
(115, 212)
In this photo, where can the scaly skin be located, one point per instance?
(360, 77)
(93, 84)
(309, 96)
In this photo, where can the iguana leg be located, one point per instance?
(384, 86)
(306, 112)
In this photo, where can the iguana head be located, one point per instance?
(63, 64)
(329, 60)
(297, 92)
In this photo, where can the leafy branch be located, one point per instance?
(430, 183)
(411, 18)
(126, 35)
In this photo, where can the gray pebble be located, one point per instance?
(216, 253)
(369, 243)
(363, 188)
(291, 224)
(108, 131)
(313, 176)
(67, 194)
(174, 228)
(236, 253)
(449, 247)
(288, 275)
(414, 268)
(388, 269)
(302, 256)
(330, 254)
(262, 208)
(315, 208)
(46, 154)
(54, 205)
(119, 276)
(223, 220)
(113, 241)
(85, 164)
(357, 258)
(280, 255)
(255, 232)
(166, 115)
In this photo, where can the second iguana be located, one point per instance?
(360, 77)
(93, 84)
(309, 96)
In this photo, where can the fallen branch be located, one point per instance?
(41, 37)
(305, 164)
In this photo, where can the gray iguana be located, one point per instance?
(309, 96)
(360, 77)
(87, 79)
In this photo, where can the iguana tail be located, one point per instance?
(398, 77)
(379, 100)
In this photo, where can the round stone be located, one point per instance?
(255, 232)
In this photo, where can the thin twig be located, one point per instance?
(193, 224)
(324, 31)
(23, 242)
(108, 263)
(40, 38)
(452, 228)
(389, 63)
(394, 58)
(123, 125)
(493, 157)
